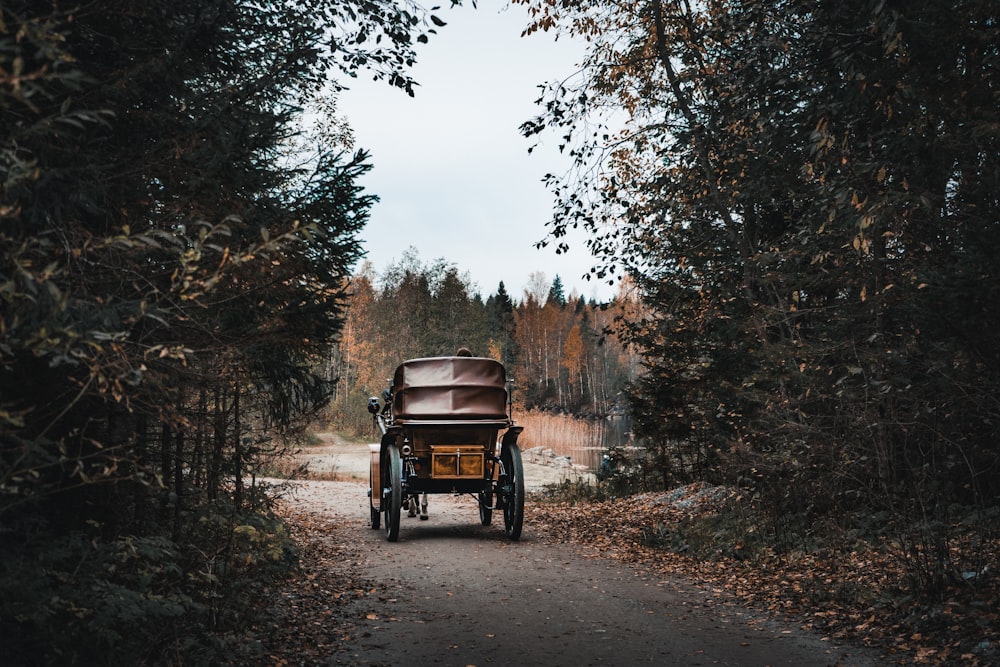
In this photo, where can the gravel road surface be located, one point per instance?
(454, 592)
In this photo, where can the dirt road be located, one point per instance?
(453, 592)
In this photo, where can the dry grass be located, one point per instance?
(580, 439)
(292, 465)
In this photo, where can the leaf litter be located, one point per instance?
(856, 595)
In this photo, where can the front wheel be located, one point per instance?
(512, 490)
(486, 507)
(393, 468)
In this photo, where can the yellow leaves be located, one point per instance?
(573, 350)
(895, 45)
(861, 244)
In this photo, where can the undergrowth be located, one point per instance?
(93, 597)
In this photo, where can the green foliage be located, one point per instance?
(172, 278)
(557, 294)
(500, 323)
(85, 597)
(570, 491)
(349, 415)
(624, 476)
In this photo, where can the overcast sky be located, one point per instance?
(452, 172)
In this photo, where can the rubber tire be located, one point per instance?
(394, 481)
(486, 507)
(513, 506)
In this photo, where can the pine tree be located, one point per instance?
(172, 286)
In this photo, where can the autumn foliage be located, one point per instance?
(556, 349)
(804, 192)
(172, 270)
(801, 196)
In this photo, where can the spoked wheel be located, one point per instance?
(376, 518)
(512, 491)
(392, 479)
(486, 507)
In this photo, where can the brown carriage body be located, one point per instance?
(447, 418)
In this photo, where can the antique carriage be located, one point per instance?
(446, 428)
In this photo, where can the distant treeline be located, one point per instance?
(556, 347)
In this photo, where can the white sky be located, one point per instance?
(452, 172)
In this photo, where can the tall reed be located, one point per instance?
(580, 439)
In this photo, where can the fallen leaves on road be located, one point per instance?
(858, 595)
(320, 605)
(846, 596)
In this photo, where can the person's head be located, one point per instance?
(463, 352)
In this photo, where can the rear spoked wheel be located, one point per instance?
(512, 490)
(392, 479)
(376, 513)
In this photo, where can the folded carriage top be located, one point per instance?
(443, 388)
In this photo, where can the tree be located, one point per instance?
(458, 318)
(172, 281)
(418, 310)
(556, 294)
(798, 204)
(500, 322)
(538, 288)
(573, 359)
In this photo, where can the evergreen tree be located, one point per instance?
(503, 333)
(458, 319)
(171, 290)
(556, 294)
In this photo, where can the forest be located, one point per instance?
(801, 196)
(557, 348)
